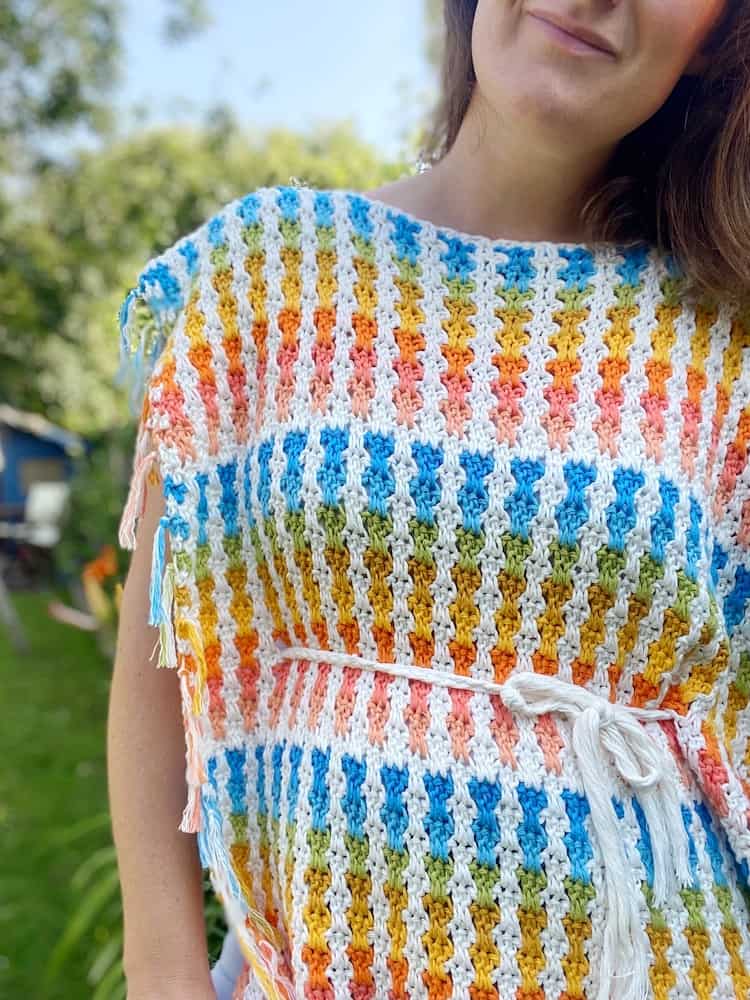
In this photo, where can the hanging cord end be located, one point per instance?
(610, 740)
(193, 687)
(135, 502)
(669, 840)
(195, 775)
(633, 985)
(626, 952)
(167, 642)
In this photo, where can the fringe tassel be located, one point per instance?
(265, 959)
(135, 502)
(142, 339)
(195, 774)
(193, 688)
(191, 816)
(167, 641)
(157, 573)
(161, 584)
(200, 688)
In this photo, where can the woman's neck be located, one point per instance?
(505, 181)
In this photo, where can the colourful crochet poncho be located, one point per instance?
(458, 591)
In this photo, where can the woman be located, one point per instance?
(451, 553)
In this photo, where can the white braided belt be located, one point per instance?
(605, 736)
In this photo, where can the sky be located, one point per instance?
(284, 63)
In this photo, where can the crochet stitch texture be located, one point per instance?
(457, 591)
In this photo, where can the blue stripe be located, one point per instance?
(573, 511)
(486, 828)
(523, 503)
(394, 813)
(576, 840)
(532, 836)
(621, 513)
(473, 497)
(237, 780)
(353, 802)
(439, 820)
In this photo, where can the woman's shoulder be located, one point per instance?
(275, 209)
(260, 225)
(266, 212)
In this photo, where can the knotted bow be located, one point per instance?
(604, 732)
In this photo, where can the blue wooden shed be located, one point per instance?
(32, 450)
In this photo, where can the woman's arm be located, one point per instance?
(165, 951)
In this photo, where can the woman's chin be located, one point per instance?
(554, 106)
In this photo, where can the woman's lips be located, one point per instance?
(568, 40)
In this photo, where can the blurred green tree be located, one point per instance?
(59, 63)
(75, 229)
(77, 243)
(433, 15)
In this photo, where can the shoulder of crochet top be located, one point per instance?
(150, 310)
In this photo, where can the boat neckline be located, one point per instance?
(596, 248)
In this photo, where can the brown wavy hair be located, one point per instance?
(681, 180)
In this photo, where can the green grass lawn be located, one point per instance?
(53, 776)
(53, 779)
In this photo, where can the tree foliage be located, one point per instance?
(76, 229)
(433, 14)
(74, 247)
(59, 63)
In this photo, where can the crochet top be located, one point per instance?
(457, 589)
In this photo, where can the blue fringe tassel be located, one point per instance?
(142, 339)
(157, 573)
